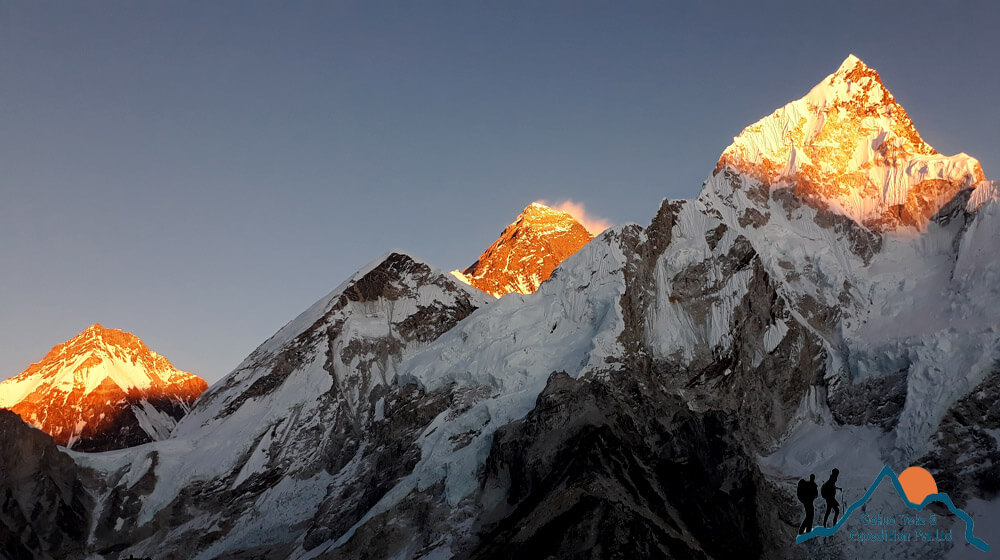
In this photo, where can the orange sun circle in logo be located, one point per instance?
(917, 483)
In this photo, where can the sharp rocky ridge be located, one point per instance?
(827, 300)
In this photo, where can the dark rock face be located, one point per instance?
(124, 430)
(965, 453)
(44, 506)
(763, 388)
(619, 469)
(860, 240)
(640, 282)
(740, 377)
(877, 401)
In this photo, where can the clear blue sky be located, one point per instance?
(199, 173)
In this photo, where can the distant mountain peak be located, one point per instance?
(90, 389)
(526, 252)
(848, 146)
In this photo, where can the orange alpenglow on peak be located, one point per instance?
(527, 252)
(103, 389)
(849, 147)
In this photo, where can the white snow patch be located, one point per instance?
(774, 334)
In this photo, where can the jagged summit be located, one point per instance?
(102, 389)
(850, 147)
(527, 252)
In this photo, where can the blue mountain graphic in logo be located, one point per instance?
(887, 472)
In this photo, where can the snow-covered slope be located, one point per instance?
(526, 252)
(102, 389)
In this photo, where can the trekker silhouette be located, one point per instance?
(830, 495)
(807, 493)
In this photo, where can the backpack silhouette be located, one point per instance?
(803, 491)
(806, 491)
(829, 490)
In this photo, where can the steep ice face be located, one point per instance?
(102, 389)
(984, 192)
(848, 146)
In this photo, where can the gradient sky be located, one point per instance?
(199, 173)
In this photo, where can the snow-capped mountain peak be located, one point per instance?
(82, 389)
(848, 146)
(527, 252)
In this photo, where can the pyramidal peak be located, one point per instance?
(849, 147)
(95, 354)
(853, 69)
(102, 389)
(527, 252)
